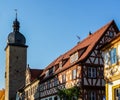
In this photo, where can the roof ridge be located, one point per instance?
(89, 41)
(96, 31)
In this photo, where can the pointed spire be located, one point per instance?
(16, 24)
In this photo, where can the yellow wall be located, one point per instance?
(2, 94)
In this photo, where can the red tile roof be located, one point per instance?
(35, 73)
(88, 43)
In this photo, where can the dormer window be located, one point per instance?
(74, 57)
(60, 64)
(47, 73)
(51, 70)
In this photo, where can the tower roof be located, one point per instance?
(16, 37)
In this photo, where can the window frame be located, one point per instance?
(113, 56)
(63, 78)
(74, 74)
(92, 72)
(74, 57)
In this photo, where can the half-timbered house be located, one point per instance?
(81, 66)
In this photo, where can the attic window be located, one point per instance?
(47, 73)
(60, 64)
(50, 71)
(74, 57)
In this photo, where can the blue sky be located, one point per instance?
(51, 26)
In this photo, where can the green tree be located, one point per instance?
(69, 94)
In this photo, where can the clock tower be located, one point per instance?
(16, 60)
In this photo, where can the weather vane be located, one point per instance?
(16, 12)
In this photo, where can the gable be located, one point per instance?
(102, 36)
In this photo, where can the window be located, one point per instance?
(91, 72)
(55, 81)
(50, 98)
(55, 98)
(113, 57)
(26, 94)
(74, 74)
(63, 78)
(41, 87)
(60, 64)
(91, 95)
(118, 53)
(47, 73)
(51, 70)
(117, 94)
(74, 57)
(106, 58)
(48, 84)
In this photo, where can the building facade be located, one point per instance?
(16, 60)
(112, 68)
(81, 67)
